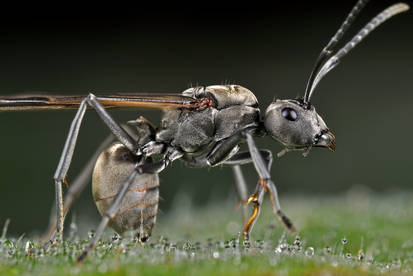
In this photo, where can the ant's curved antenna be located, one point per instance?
(325, 62)
(328, 50)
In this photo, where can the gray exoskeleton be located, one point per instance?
(203, 127)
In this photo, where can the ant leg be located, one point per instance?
(75, 189)
(276, 207)
(241, 188)
(67, 154)
(170, 155)
(256, 198)
(266, 182)
(242, 158)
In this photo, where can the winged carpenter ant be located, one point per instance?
(203, 127)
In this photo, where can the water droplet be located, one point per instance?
(215, 255)
(115, 237)
(11, 252)
(246, 243)
(91, 234)
(309, 251)
(238, 238)
(28, 247)
(297, 241)
(281, 247)
(360, 255)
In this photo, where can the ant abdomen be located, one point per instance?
(139, 207)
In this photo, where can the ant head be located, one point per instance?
(297, 125)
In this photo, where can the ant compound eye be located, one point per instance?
(289, 113)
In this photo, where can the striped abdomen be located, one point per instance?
(139, 207)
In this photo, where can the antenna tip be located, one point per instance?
(401, 7)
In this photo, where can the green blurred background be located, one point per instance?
(367, 101)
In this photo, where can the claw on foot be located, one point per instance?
(251, 198)
(286, 221)
(251, 221)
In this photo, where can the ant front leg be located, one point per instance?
(265, 183)
(67, 154)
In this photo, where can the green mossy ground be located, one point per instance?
(354, 234)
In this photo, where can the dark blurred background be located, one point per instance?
(367, 100)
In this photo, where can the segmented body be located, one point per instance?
(139, 208)
(194, 132)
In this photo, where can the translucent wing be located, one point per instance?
(152, 101)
